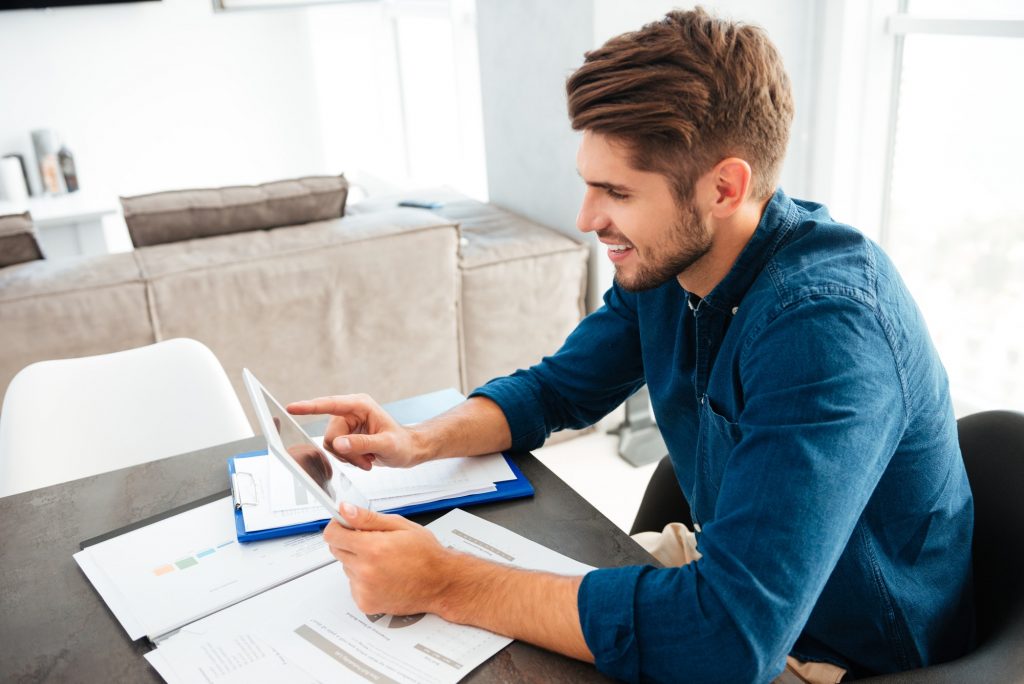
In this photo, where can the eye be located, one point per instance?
(616, 195)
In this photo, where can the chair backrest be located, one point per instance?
(992, 443)
(70, 418)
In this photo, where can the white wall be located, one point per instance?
(358, 105)
(162, 95)
(528, 48)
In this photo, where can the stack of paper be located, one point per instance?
(185, 572)
(282, 501)
(167, 574)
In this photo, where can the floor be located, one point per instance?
(591, 465)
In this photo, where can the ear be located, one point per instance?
(730, 186)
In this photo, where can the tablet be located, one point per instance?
(309, 463)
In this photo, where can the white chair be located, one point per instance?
(70, 418)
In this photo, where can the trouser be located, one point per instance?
(676, 545)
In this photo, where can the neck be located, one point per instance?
(729, 236)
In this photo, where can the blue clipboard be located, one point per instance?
(510, 489)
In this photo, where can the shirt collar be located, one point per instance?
(776, 222)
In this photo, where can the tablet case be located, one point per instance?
(510, 489)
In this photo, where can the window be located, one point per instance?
(397, 93)
(953, 221)
(918, 141)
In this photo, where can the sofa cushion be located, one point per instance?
(185, 214)
(514, 272)
(63, 308)
(359, 304)
(18, 240)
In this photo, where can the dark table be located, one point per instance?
(55, 627)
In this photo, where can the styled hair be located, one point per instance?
(686, 92)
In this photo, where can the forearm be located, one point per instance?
(536, 607)
(476, 426)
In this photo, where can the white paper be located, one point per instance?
(162, 576)
(280, 500)
(261, 516)
(382, 482)
(310, 629)
(395, 502)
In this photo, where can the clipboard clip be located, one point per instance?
(243, 490)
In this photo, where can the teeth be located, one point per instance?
(618, 248)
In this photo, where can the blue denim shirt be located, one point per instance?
(809, 423)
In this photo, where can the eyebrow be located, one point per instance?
(604, 185)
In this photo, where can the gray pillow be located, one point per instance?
(185, 214)
(18, 240)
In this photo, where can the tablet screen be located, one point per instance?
(289, 440)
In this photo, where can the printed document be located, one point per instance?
(281, 500)
(310, 629)
(177, 570)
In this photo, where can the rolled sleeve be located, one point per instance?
(605, 602)
(518, 399)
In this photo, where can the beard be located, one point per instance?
(687, 241)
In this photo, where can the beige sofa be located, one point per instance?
(386, 300)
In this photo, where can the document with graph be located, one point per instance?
(310, 630)
(176, 570)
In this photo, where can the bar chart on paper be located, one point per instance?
(192, 560)
(171, 572)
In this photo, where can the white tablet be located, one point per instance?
(307, 461)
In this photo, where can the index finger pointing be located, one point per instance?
(336, 406)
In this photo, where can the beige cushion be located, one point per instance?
(359, 304)
(186, 214)
(63, 308)
(514, 272)
(18, 240)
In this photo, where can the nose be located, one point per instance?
(590, 217)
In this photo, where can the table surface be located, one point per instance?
(55, 627)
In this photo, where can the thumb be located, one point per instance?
(364, 519)
(360, 444)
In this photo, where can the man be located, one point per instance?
(806, 413)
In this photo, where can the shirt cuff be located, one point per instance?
(522, 408)
(605, 601)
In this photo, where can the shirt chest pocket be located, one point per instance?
(716, 439)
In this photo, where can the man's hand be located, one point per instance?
(398, 567)
(361, 432)
(393, 565)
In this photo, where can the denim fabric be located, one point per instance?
(809, 424)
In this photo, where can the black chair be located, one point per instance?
(992, 443)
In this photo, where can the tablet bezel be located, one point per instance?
(275, 446)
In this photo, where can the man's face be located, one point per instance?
(650, 238)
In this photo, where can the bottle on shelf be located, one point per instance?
(67, 168)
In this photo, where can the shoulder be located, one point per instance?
(825, 278)
(821, 257)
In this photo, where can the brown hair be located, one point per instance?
(685, 92)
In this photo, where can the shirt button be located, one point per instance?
(696, 527)
(735, 309)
